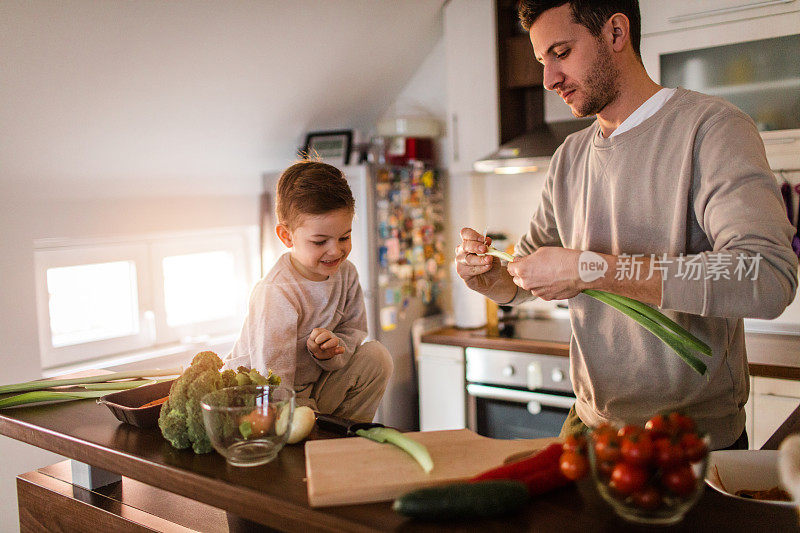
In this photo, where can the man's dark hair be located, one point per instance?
(592, 14)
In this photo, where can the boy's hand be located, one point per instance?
(323, 344)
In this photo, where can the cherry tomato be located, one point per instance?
(573, 465)
(629, 431)
(607, 447)
(668, 453)
(637, 449)
(647, 498)
(260, 422)
(627, 478)
(574, 443)
(693, 447)
(683, 423)
(680, 480)
(604, 468)
(658, 426)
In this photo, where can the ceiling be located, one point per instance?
(201, 92)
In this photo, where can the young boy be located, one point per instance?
(306, 320)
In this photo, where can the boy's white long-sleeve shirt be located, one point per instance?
(285, 308)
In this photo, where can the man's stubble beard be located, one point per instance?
(600, 84)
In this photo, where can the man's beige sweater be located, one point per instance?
(690, 184)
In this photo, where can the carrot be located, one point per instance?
(155, 402)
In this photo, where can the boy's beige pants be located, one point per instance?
(355, 390)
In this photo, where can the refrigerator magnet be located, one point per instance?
(389, 318)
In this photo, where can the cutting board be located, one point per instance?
(357, 470)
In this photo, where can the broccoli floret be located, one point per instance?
(181, 417)
(173, 426)
(229, 378)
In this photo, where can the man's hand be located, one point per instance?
(550, 273)
(323, 344)
(483, 274)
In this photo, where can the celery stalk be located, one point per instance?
(416, 450)
(48, 396)
(653, 327)
(103, 378)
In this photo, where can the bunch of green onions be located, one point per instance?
(93, 387)
(671, 333)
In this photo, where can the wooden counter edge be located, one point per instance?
(467, 338)
(239, 500)
(477, 338)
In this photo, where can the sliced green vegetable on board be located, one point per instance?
(416, 450)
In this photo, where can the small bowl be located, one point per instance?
(667, 495)
(126, 405)
(248, 425)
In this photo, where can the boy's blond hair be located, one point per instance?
(311, 188)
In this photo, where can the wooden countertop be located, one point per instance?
(768, 355)
(275, 494)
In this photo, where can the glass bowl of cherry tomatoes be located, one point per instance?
(651, 474)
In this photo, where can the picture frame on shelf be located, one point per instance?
(333, 147)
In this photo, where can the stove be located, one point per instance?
(537, 329)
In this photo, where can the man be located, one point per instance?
(670, 192)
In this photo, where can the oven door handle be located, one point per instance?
(519, 396)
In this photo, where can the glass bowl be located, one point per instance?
(248, 425)
(658, 490)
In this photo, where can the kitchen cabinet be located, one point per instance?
(774, 381)
(471, 80)
(751, 62)
(659, 16)
(442, 394)
(773, 400)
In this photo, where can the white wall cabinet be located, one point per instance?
(659, 16)
(470, 37)
(442, 389)
(764, 86)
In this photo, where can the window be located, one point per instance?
(98, 299)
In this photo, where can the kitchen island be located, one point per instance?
(167, 489)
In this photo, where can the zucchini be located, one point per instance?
(480, 499)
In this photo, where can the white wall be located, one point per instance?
(120, 118)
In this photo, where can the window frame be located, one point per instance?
(147, 253)
(68, 257)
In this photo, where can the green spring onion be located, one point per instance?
(664, 321)
(103, 378)
(669, 337)
(498, 254)
(49, 396)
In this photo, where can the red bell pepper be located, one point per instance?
(540, 472)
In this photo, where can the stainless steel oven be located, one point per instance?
(513, 395)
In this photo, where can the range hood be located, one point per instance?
(532, 151)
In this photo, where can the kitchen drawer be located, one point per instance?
(776, 387)
(769, 413)
(659, 16)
